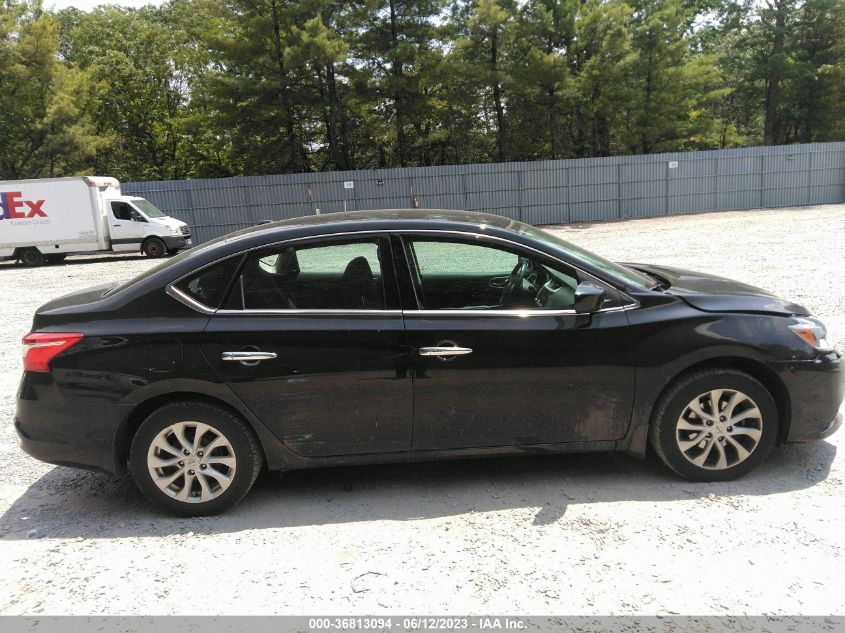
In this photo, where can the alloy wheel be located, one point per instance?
(719, 429)
(191, 462)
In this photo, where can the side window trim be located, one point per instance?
(412, 266)
(399, 259)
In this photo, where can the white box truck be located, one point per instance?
(46, 219)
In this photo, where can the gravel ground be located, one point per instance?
(588, 534)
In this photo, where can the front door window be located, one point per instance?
(457, 275)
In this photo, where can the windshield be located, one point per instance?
(623, 273)
(149, 209)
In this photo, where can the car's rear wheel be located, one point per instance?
(714, 425)
(194, 458)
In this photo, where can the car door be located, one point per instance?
(311, 339)
(126, 233)
(522, 374)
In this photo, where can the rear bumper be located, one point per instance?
(70, 434)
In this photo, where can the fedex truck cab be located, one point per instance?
(46, 219)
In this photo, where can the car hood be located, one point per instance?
(718, 294)
(168, 222)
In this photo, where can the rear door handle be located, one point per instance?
(248, 357)
(445, 351)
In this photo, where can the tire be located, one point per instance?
(700, 446)
(154, 248)
(31, 257)
(56, 258)
(165, 476)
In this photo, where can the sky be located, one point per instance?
(87, 5)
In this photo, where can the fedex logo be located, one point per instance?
(16, 209)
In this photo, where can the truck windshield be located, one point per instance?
(148, 208)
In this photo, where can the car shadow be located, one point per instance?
(67, 503)
(83, 259)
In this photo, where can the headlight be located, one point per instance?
(811, 331)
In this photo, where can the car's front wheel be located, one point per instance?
(714, 425)
(154, 247)
(194, 458)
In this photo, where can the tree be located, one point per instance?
(205, 88)
(132, 54)
(791, 78)
(817, 107)
(542, 90)
(255, 89)
(673, 84)
(485, 48)
(46, 126)
(322, 47)
(394, 41)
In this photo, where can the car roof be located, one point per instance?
(381, 219)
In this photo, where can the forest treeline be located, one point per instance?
(206, 88)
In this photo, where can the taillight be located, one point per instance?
(39, 348)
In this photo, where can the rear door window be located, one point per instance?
(334, 275)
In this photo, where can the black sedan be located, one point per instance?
(401, 335)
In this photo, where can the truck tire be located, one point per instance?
(31, 257)
(154, 248)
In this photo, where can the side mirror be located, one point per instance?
(588, 297)
(135, 216)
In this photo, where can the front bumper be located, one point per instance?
(173, 242)
(816, 389)
(833, 427)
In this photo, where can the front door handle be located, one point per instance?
(445, 351)
(248, 357)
